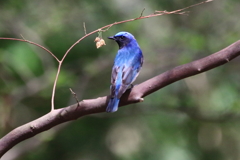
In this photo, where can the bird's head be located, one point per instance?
(123, 38)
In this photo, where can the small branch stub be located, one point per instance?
(74, 95)
(84, 27)
(141, 99)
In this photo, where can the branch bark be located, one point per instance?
(134, 95)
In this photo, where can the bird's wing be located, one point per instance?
(117, 87)
(130, 72)
(125, 70)
(115, 71)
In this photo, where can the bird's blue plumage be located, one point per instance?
(126, 67)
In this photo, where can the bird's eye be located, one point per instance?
(121, 37)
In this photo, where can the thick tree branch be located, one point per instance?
(134, 95)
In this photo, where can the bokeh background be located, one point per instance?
(194, 119)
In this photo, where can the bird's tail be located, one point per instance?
(113, 105)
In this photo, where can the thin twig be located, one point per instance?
(74, 95)
(142, 12)
(22, 37)
(176, 11)
(55, 84)
(104, 30)
(84, 27)
(24, 40)
(129, 20)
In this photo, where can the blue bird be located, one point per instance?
(126, 67)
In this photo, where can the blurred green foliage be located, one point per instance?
(182, 121)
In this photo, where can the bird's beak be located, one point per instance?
(112, 37)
